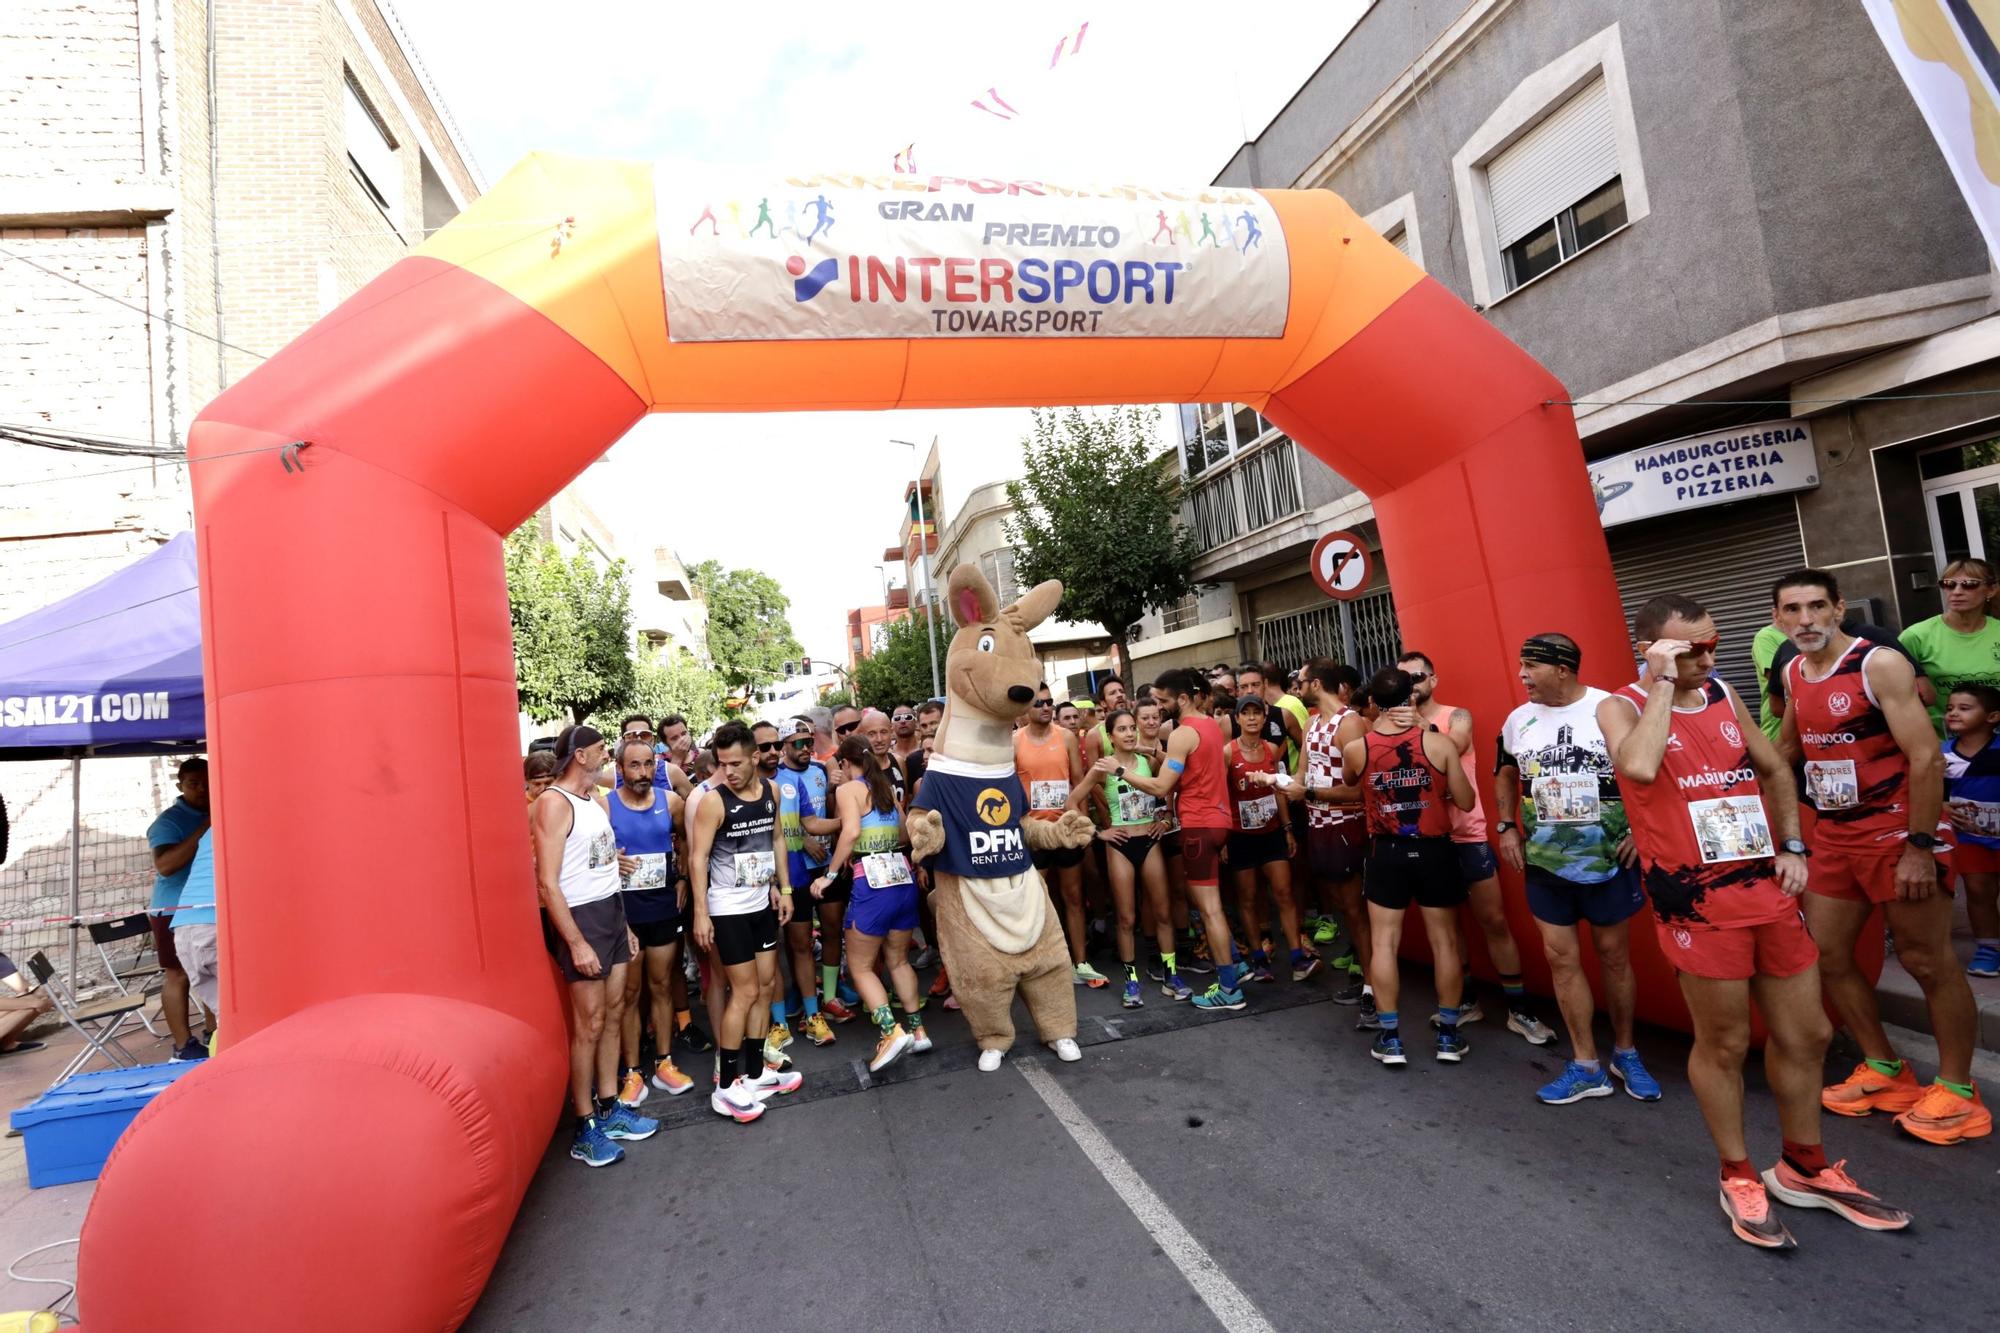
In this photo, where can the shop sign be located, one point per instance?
(1722, 467)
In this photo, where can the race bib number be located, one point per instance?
(1831, 784)
(1052, 794)
(651, 874)
(885, 870)
(1731, 828)
(603, 850)
(1984, 816)
(1136, 807)
(756, 870)
(1566, 798)
(1256, 813)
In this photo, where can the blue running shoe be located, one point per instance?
(1131, 998)
(1176, 989)
(1625, 1067)
(593, 1147)
(1388, 1048)
(1985, 962)
(1217, 998)
(1260, 970)
(625, 1123)
(1451, 1046)
(848, 995)
(1573, 1085)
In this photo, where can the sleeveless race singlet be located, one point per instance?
(1292, 704)
(1043, 767)
(877, 860)
(1323, 769)
(1705, 844)
(743, 861)
(1466, 825)
(1255, 807)
(1131, 807)
(590, 854)
(1402, 792)
(1856, 777)
(649, 836)
(1204, 786)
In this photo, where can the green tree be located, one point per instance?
(900, 671)
(676, 683)
(1097, 510)
(749, 634)
(572, 629)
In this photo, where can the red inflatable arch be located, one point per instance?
(396, 1061)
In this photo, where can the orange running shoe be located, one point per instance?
(1866, 1090)
(1942, 1116)
(1748, 1209)
(940, 984)
(1834, 1190)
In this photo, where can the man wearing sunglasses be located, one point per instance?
(1960, 647)
(846, 719)
(802, 807)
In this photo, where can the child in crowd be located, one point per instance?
(1972, 800)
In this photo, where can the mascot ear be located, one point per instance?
(970, 597)
(1038, 605)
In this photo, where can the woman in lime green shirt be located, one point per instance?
(1960, 647)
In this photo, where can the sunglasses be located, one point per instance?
(1698, 646)
(845, 729)
(802, 742)
(1961, 585)
(904, 717)
(1419, 677)
(768, 747)
(1045, 703)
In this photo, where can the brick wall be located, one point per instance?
(69, 88)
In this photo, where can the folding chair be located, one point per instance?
(96, 1022)
(135, 978)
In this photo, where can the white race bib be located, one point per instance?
(1135, 807)
(1985, 816)
(1257, 812)
(1831, 784)
(651, 874)
(1731, 828)
(1566, 798)
(1051, 794)
(885, 870)
(756, 870)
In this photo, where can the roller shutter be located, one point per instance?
(1568, 154)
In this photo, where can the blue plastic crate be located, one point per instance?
(70, 1129)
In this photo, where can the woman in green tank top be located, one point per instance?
(1129, 824)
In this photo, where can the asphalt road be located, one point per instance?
(1277, 1168)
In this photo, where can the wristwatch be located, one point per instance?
(1923, 841)
(1793, 847)
(1118, 772)
(1505, 826)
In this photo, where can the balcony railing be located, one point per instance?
(1253, 491)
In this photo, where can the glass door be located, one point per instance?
(1961, 486)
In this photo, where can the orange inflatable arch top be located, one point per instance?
(397, 1056)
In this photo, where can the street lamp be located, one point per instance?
(930, 588)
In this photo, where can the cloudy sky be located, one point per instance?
(1161, 93)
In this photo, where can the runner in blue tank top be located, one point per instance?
(653, 888)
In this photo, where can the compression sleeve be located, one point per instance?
(1175, 766)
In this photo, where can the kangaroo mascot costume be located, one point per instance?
(993, 919)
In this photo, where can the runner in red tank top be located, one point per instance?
(1715, 817)
(1262, 844)
(1477, 867)
(1410, 778)
(1336, 833)
(1876, 778)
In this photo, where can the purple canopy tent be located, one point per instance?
(114, 669)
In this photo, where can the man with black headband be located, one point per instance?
(1563, 825)
(576, 872)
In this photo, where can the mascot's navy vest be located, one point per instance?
(981, 807)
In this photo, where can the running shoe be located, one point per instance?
(1834, 1190)
(695, 1039)
(1324, 930)
(951, 1003)
(1305, 967)
(1215, 998)
(1367, 1020)
(1942, 1116)
(837, 1011)
(774, 1083)
(1083, 974)
(894, 1042)
(625, 1123)
(1468, 1008)
(1866, 1090)
(668, 1078)
(925, 957)
(1626, 1068)
(1529, 1028)
(780, 1036)
(1573, 1085)
(1130, 999)
(1176, 989)
(1388, 1048)
(1985, 962)
(775, 1057)
(847, 995)
(920, 1041)
(736, 1102)
(632, 1091)
(1451, 1045)
(188, 1054)
(1197, 964)
(1261, 971)
(1348, 994)
(817, 1032)
(940, 985)
(593, 1147)
(1748, 1209)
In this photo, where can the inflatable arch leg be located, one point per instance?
(397, 1054)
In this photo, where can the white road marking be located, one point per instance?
(1111, 1025)
(861, 1073)
(1224, 1299)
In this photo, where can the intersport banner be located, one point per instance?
(942, 257)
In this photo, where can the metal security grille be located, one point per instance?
(1379, 637)
(1292, 639)
(1723, 558)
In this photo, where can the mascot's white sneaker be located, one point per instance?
(1066, 1049)
(990, 1060)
